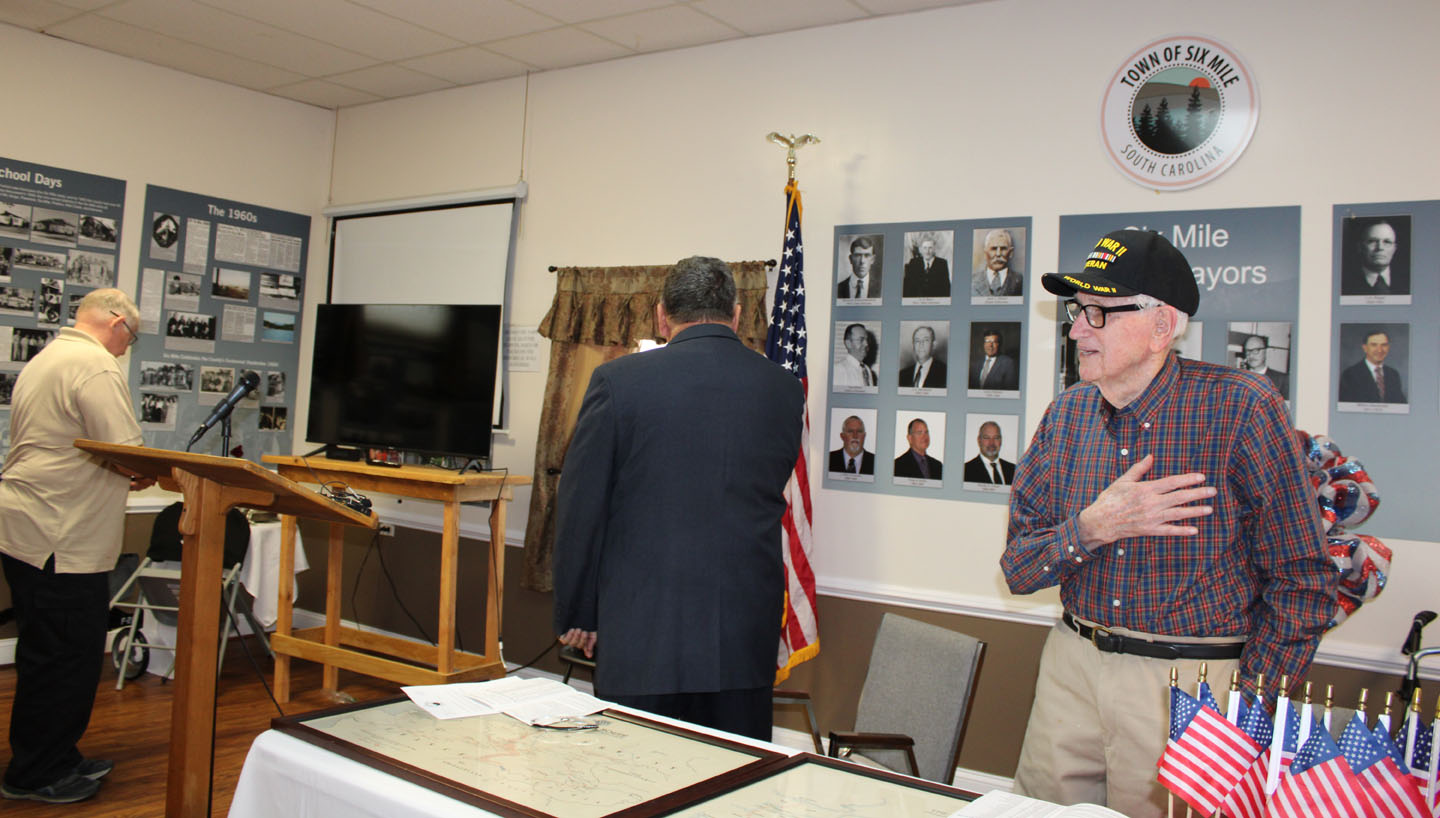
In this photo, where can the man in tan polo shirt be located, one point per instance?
(62, 516)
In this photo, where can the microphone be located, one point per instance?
(248, 382)
(1412, 641)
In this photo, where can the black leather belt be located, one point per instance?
(1109, 642)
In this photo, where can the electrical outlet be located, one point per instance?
(387, 530)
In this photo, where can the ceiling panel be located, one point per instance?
(661, 29)
(469, 65)
(559, 48)
(344, 24)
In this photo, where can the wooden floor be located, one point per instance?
(132, 727)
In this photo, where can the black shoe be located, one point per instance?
(94, 768)
(71, 788)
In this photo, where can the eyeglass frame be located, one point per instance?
(126, 323)
(1074, 313)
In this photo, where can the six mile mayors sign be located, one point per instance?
(1179, 112)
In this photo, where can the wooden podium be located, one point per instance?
(211, 487)
(373, 654)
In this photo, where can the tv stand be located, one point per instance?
(386, 657)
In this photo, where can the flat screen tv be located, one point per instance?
(416, 377)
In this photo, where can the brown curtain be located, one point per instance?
(599, 314)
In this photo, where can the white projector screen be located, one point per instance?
(448, 254)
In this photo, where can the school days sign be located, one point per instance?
(1179, 112)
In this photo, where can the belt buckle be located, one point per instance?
(1097, 633)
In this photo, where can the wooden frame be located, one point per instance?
(413, 769)
(409, 662)
(882, 789)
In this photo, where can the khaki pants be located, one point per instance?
(1100, 722)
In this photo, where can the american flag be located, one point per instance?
(1320, 783)
(1247, 800)
(785, 345)
(1205, 756)
(1418, 740)
(1377, 762)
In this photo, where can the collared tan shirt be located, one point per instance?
(55, 498)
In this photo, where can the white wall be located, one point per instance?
(118, 117)
(969, 112)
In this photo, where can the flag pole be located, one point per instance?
(1277, 739)
(785, 344)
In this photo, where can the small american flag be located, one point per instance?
(785, 345)
(1382, 770)
(1206, 755)
(1247, 800)
(1320, 783)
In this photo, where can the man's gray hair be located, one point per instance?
(1000, 231)
(699, 288)
(109, 300)
(1182, 320)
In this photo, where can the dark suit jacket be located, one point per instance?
(977, 472)
(1281, 381)
(905, 466)
(1357, 385)
(934, 376)
(1002, 374)
(980, 283)
(1352, 282)
(843, 291)
(920, 283)
(867, 461)
(667, 539)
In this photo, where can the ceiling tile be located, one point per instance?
(322, 93)
(34, 14)
(343, 24)
(466, 66)
(389, 81)
(559, 48)
(85, 5)
(570, 11)
(659, 29)
(769, 16)
(472, 21)
(236, 35)
(902, 6)
(119, 38)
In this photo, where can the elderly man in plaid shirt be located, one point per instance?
(1167, 499)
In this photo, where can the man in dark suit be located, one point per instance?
(925, 275)
(864, 278)
(987, 467)
(1370, 380)
(1256, 348)
(914, 462)
(851, 457)
(1369, 269)
(667, 548)
(993, 370)
(928, 372)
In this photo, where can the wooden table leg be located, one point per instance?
(333, 564)
(496, 570)
(284, 606)
(449, 577)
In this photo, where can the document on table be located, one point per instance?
(533, 701)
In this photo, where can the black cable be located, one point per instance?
(530, 663)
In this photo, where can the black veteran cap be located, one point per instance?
(1132, 262)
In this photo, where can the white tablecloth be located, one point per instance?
(260, 573)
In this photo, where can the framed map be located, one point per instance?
(626, 765)
(811, 786)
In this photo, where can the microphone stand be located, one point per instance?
(225, 436)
